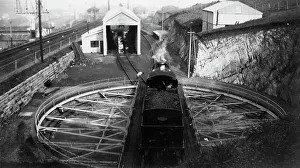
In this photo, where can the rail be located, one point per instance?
(240, 91)
(77, 90)
(32, 57)
(131, 65)
(117, 83)
(151, 41)
(154, 45)
(4, 54)
(19, 58)
(136, 70)
(124, 69)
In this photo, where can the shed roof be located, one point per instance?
(160, 32)
(120, 10)
(224, 4)
(219, 5)
(93, 31)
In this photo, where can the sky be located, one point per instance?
(8, 7)
(69, 7)
(80, 4)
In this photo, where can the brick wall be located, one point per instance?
(14, 100)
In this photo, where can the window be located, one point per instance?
(94, 44)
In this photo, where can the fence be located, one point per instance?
(276, 5)
(34, 57)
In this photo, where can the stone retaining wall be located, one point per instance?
(266, 60)
(14, 100)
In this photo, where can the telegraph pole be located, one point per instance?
(40, 31)
(190, 51)
(11, 42)
(162, 20)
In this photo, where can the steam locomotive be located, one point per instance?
(161, 77)
(162, 126)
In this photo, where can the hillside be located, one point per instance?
(283, 23)
(272, 20)
(187, 15)
(262, 55)
(268, 6)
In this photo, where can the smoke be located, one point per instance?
(161, 54)
(5, 16)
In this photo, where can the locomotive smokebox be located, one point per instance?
(162, 77)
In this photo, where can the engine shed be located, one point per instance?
(121, 31)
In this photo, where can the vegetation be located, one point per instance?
(191, 14)
(268, 6)
(288, 18)
(271, 145)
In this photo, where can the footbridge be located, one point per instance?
(90, 124)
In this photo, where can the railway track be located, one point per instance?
(152, 42)
(94, 140)
(154, 45)
(257, 98)
(84, 100)
(128, 68)
(21, 51)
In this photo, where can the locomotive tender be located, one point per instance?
(162, 125)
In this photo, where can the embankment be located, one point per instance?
(14, 100)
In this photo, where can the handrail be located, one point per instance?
(240, 91)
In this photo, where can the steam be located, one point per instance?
(161, 54)
(5, 16)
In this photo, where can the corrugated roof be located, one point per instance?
(224, 4)
(219, 5)
(114, 12)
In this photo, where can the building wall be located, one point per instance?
(86, 43)
(239, 8)
(218, 26)
(14, 100)
(235, 13)
(207, 20)
(231, 19)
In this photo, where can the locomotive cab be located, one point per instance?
(162, 77)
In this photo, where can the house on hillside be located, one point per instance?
(93, 14)
(226, 13)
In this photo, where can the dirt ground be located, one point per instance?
(18, 144)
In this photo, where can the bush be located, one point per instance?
(267, 146)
